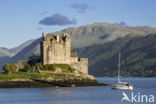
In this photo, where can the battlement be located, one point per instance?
(83, 59)
(55, 38)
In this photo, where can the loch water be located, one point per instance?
(80, 95)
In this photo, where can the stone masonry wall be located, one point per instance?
(22, 63)
(55, 49)
(81, 64)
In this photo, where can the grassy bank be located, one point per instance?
(53, 67)
(36, 80)
(40, 76)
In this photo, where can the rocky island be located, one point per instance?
(55, 66)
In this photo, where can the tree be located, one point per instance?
(10, 68)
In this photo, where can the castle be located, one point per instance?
(56, 49)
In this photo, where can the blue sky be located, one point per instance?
(21, 20)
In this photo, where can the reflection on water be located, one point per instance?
(77, 95)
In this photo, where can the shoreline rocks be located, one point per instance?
(77, 80)
(34, 83)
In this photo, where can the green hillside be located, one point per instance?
(138, 56)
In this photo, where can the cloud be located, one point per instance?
(57, 19)
(81, 8)
(121, 23)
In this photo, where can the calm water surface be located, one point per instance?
(78, 95)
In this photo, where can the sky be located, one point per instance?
(22, 20)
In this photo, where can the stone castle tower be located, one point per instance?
(55, 49)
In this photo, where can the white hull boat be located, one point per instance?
(122, 85)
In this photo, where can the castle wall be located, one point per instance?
(22, 63)
(73, 60)
(80, 64)
(55, 50)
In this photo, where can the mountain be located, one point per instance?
(13, 51)
(4, 52)
(99, 33)
(101, 42)
(138, 56)
(33, 48)
(20, 47)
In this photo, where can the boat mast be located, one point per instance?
(119, 69)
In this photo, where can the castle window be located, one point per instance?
(51, 40)
(78, 59)
(64, 39)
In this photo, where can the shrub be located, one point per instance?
(65, 67)
(10, 68)
(49, 67)
(39, 65)
(28, 68)
(53, 67)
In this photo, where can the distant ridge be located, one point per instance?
(98, 33)
(13, 51)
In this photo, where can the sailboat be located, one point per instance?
(122, 85)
